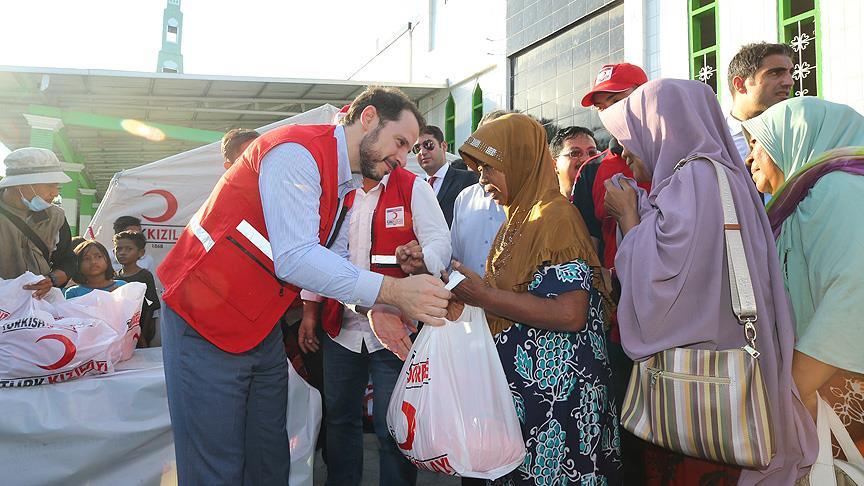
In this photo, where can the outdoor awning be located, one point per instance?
(190, 110)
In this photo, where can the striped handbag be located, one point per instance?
(708, 404)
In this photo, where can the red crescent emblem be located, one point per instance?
(68, 354)
(170, 210)
(409, 412)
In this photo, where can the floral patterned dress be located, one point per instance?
(561, 386)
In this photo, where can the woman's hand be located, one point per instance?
(621, 205)
(472, 290)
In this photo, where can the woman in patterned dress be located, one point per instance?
(544, 300)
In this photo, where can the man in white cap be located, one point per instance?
(34, 234)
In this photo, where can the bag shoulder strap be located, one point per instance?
(28, 232)
(740, 282)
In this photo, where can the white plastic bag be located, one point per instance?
(828, 471)
(304, 422)
(451, 411)
(55, 340)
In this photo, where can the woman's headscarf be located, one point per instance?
(542, 227)
(672, 265)
(819, 227)
(798, 134)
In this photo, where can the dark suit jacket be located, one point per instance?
(451, 186)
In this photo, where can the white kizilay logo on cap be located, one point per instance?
(605, 74)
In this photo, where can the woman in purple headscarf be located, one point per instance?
(672, 259)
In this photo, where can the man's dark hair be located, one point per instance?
(749, 60)
(493, 115)
(390, 103)
(433, 131)
(234, 139)
(137, 238)
(563, 134)
(79, 251)
(123, 222)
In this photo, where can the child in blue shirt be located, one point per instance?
(93, 270)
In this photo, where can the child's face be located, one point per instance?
(126, 252)
(93, 263)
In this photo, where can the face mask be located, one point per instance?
(35, 204)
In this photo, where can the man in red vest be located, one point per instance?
(263, 234)
(389, 216)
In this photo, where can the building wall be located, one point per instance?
(550, 77)
(457, 42)
(663, 49)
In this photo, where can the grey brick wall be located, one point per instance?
(549, 79)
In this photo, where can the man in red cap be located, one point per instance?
(614, 83)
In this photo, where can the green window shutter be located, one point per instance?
(799, 27)
(703, 30)
(476, 107)
(450, 124)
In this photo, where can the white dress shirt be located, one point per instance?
(290, 186)
(738, 136)
(439, 178)
(476, 220)
(432, 234)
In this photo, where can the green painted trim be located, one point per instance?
(102, 122)
(476, 107)
(450, 123)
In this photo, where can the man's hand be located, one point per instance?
(410, 258)
(306, 337)
(392, 329)
(40, 288)
(419, 297)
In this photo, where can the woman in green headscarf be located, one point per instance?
(809, 155)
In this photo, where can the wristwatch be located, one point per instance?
(53, 279)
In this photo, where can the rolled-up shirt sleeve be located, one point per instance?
(290, 187)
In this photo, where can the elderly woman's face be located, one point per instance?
(494, 182)
(641, 172)
(767, 176)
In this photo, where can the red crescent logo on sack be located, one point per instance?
(170, 210)
(409, 412)
(68, 353)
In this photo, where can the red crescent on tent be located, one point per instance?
(409, 412)
(68, 353)
(170, 211)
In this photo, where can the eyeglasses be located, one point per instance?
(428, 144)
(578, 154)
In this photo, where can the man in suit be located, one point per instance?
(446, 181)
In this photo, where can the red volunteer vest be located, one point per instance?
(220, 277)
(392, 226)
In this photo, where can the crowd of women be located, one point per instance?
(803, 256)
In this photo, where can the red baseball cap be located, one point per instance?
(615, 78)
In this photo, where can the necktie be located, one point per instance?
(432, 180)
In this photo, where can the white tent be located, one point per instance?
(166, 193)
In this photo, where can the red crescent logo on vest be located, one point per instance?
(409, 412)
(68, 353)
(170, 210)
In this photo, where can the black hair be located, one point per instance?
(79, 252)
(389, 102)
(234, 139)
(123, 222)
(563, 134)
(137, 238)
(434, 131)
(749, 60)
